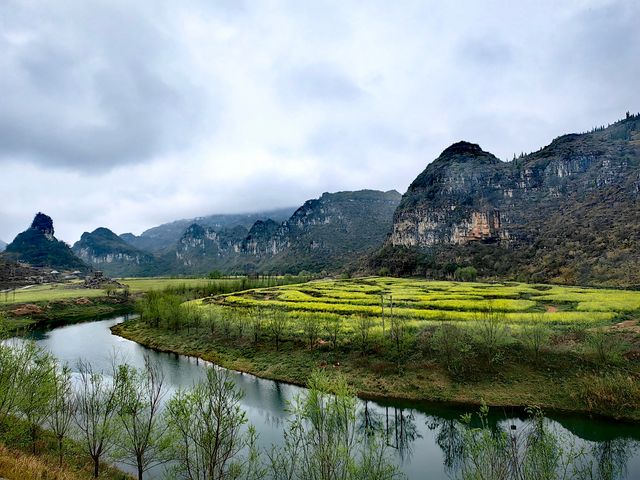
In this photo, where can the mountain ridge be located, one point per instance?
(553, 215)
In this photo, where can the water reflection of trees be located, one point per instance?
(533, 450)
(611, 458)
(398, 426)
(449, 435)
(517, 449)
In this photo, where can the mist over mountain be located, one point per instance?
(165, 236)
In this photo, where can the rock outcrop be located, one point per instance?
(106, 251)
(568, 212)
(37, 246)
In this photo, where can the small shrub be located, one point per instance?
(604, 348)
(466, 274)
(453, 348)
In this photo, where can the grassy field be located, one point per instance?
(48, 293)
(63, 291)
(565, 348)
(70, 290)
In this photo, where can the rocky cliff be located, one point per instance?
(202, 249)
(38, 247)
(163, 238)
(106, 251)
(568, 212)
(330, 232)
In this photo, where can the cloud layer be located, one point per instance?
(128, 114)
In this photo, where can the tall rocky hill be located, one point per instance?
(38, 247)
(106, 251)
(569, 212)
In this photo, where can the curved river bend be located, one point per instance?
(423, 437)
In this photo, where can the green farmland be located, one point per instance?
(423, 301)
(566, 348)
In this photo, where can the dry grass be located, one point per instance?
(16, 465)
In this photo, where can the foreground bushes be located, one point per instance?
(202, 431)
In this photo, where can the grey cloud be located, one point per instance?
(486, 51)
(318, 82)
(217, 106)
(603, 42)
(90, 87)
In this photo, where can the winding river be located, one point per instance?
(424, 438)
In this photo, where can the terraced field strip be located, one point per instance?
(430, 301)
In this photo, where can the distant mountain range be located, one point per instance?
(3, 245)
(568, 213)
(165, 236)
(328, 233)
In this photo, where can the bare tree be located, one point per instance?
(364, 324)
(206, 423)
(139, 399)
(311, 328)
(256, 325)
(332, 327)
(278, 324)
(62, 408)
(536, 335)
(94, 416)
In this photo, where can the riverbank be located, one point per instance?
(48, 314)
(563, 385)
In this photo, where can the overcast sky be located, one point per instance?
(128, 114)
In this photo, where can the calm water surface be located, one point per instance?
(424, 438)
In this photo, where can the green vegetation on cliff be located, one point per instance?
(564, 214)
(38, 247)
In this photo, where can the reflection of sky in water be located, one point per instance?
(424, 439)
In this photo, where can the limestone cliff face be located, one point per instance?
(324, 233)
(200, 247)
(106, 251)
(558, 213)
(454, 201)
